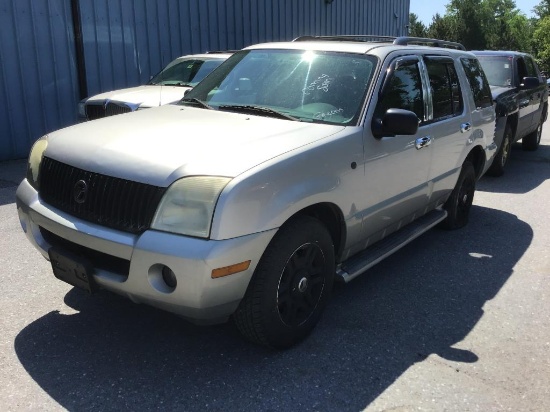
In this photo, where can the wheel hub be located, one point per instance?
(302, 285)
(300, 281)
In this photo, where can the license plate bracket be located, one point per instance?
(72, 268)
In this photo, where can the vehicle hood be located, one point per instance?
(159, 145)
(142, 96)
(499, 90)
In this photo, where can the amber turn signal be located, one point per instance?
(230, 270)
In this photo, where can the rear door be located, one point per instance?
(480, 102)
(536, 95)
(451, 124)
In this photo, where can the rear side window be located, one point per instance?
(404, 91)
(478, 82)
(445, 88)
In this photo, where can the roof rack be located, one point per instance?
(401, 41)
(351, 37)
(423, 41)
(221, 51)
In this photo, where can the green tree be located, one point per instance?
(468, 21)
(542, 9)
(541, 43)
(442, 28)
(505, 26)
(494, 24)
(416, 27)
(521, 31)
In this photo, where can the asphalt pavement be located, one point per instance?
(455, 321)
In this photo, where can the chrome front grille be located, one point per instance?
(97, 111)
(113, 109)
(108, 201)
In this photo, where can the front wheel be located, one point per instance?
(532, 140)
(503, 153)
(460, 202)
(290, 286)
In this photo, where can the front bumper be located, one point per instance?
(196, 297)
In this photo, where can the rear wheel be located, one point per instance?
(290, 286)
(532, 140)
(501, 158)
(460, 202)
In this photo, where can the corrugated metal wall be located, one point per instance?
(127, 41)
(37, 72)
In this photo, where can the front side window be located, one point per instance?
(446, 94)
(479, 85)
(403, 91)
(531, 71)
(312, 86)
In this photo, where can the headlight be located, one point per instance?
(188, 205)
(35, 158)
(82, 109)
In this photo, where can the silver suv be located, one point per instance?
(292, 165)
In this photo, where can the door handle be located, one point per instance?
(523, 103)
(465, 127)
(423, 142)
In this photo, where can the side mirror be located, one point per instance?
(395, 122)
(529, 83)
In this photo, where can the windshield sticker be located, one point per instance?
(321, 83)
(322, 115)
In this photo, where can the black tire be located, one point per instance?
(460, 202)
(532, 140)
(503, 153)
(290, 286)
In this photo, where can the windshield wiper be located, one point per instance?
(202, 104)
(262, 111)
(180, 84)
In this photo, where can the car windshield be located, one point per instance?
(498, 69)
(319, 87)
(186, 72)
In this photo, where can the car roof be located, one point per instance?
(508, 53)
(207, 55)
(381, 45)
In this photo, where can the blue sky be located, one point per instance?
(426, 9)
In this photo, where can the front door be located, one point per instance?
(396, 167)
(526, 100)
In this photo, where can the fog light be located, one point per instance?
(169, 277)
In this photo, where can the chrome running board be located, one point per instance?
(366, 259)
